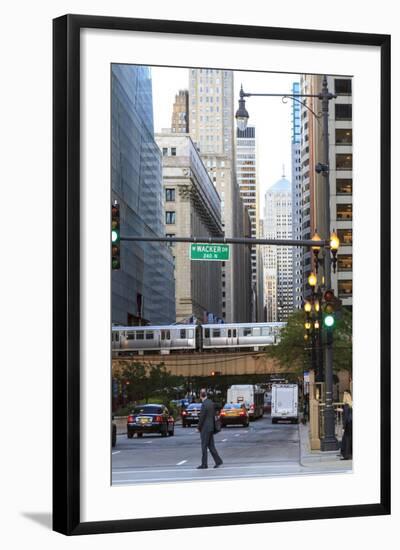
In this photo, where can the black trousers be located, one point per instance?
(207, 442)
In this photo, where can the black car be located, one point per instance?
(191, 414)
(150, 419)
(113, 435)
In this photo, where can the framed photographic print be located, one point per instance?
(221, 274)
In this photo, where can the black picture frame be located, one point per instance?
(66, 273)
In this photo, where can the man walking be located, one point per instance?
(206, 428)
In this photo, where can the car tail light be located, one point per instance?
(252, 407)
(242, 413)
(158, 419)
(222, 413)
(183, 413)
(131, 418)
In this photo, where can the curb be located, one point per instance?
(309, 458)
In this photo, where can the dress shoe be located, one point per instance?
(201, 467)
(218, 464)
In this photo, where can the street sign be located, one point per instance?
(209, 252)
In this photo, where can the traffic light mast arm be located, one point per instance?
(228, 240)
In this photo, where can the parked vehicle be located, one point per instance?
(234, 413)
(150, 419)
(113, 434)
(284, 403)
(190, 415)
(250, 395)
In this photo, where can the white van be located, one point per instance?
(284, 403)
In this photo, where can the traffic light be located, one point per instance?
(331, 308)
(115, 237)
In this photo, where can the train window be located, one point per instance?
(140, 335)
(149, 335)
(130, 335)
(229, 333)
(264, 331)
(234, 333)
(247, 332)
(256, 331)
(117, 336)
(182, 333)
(190, 333)
(168, 335)
(163, 335)
(216, 332)
(207, 333)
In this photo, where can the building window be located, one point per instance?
(345, 262)
(170, 243)
(345, 288)
(343, 111)
(342, 86)
(344, 136)
(344, 211)
(344, 186)
(169, 194)
(344, 162)
(345, 236)
(169, 217)
(165, 151)
(173, 151)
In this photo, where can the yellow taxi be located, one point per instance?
(234, 413)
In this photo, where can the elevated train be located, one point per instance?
(166, 338)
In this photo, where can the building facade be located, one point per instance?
(296, 200)
(192, 207)
(246, 171)
(340, 178)
(278, 260)
(180, 118)
(211, 125)
(143, 288)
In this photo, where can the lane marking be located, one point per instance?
(237, 435)
(224, 440)
(181, 462)
(149, 442)
(116, 452)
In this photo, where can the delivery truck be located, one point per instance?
(284, 403)
(249, 394)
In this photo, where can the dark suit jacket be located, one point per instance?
(207, 416)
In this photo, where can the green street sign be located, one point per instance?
(209, 252)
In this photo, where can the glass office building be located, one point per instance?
(143, 290)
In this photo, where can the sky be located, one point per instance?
(270, 116)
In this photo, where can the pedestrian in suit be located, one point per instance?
(206, 428)
(346, 447)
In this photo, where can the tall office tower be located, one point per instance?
(278, 260)
(180, 118)
(192, 207)
(211, 125)
(246, 171)
(296, 201)
(143, 289)
(340, 177)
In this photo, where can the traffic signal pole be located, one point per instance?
(329, 441)
(227, 240)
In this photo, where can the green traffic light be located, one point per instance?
(329, 320)
(114, 236)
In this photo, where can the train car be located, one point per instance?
(153, 338)
(240, 335)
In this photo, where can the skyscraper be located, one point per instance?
(143, 289)
(296, 201)
(340, 178)
(211, 127)
(180, 117)
(246, 170)
(278, 260)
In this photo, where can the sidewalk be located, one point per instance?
(328, 459)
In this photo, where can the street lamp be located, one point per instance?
(316, 249)
(334, 246)
(242, 116)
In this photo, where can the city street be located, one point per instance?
(260, 450)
